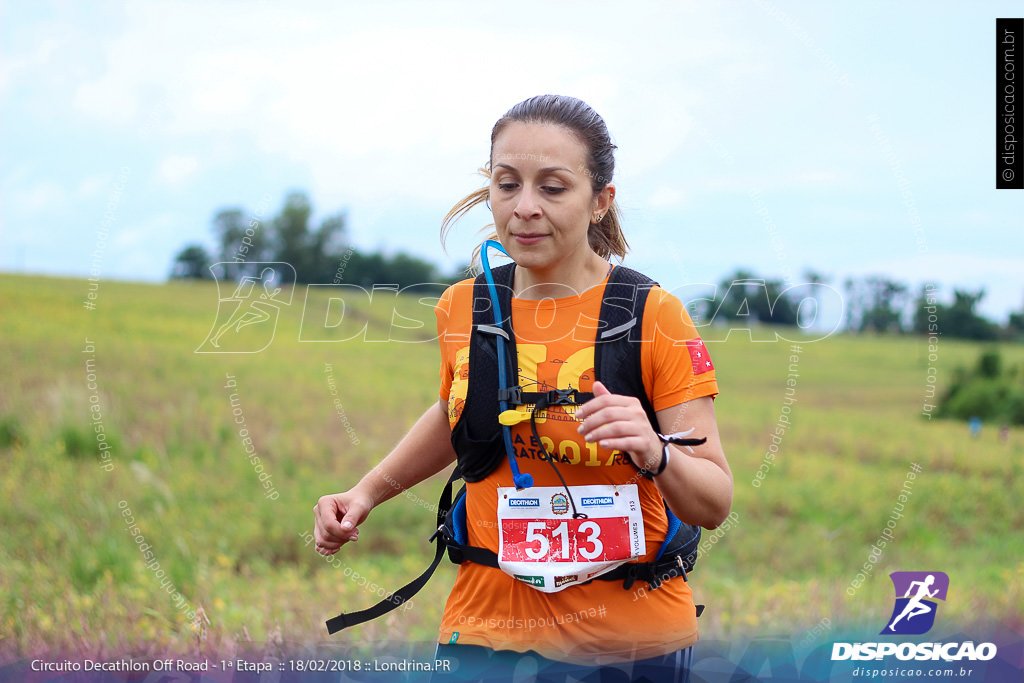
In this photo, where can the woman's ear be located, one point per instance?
(603, 200)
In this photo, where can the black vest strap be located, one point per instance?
(403, 594)
(476, 436)
(619, 340)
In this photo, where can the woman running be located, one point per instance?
(589, 481)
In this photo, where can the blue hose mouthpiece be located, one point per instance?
(523, 481)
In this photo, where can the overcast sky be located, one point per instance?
(851, 138)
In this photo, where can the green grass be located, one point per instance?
(73, 578)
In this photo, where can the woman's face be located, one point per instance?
(541, 196)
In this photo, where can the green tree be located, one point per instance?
(242, 240)
(192, 262)
(775, 305)
(291, 238)
(411, 271)
(989, 391)
(229, 229)
(922, 322)
(962, 320)
(853, 304)
(731, 300)
(813, 281)
(884, 303)
(326, 248)
(1015, 326)
(314, 254)
(745, 297)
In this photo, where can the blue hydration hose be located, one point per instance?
(521, 480)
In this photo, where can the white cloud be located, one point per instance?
(12, 65)
(131, 238)
(176, 169)
(817, 177)
(107, 99)
(984, 218)
(91, 186)
(37, 196)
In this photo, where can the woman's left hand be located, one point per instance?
(619, 422)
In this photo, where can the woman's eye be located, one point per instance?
(506, 187)
(550, 189)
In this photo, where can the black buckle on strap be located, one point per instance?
(512, 395)
(640, 570)
(630, 578)
(561, 397)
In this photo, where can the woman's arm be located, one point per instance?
(425, 451)
(698, 486)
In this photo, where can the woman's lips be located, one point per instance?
(529, 238)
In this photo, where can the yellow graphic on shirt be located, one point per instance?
(460, 385)
(538, 373)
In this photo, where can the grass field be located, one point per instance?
(73, 578)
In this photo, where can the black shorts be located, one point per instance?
(476, 663)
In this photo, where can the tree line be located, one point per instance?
(323, 255)
(873, 304)
(319, 255)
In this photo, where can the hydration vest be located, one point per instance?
(478, 434)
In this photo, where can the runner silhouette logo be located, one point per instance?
(247, 318)
(917, 596)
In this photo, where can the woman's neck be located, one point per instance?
(560, 280)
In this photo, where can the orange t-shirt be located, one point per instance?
(598, 622)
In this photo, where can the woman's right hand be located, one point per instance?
(337, 519)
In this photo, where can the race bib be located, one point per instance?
(542, 545)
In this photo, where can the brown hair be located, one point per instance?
(606, 237)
